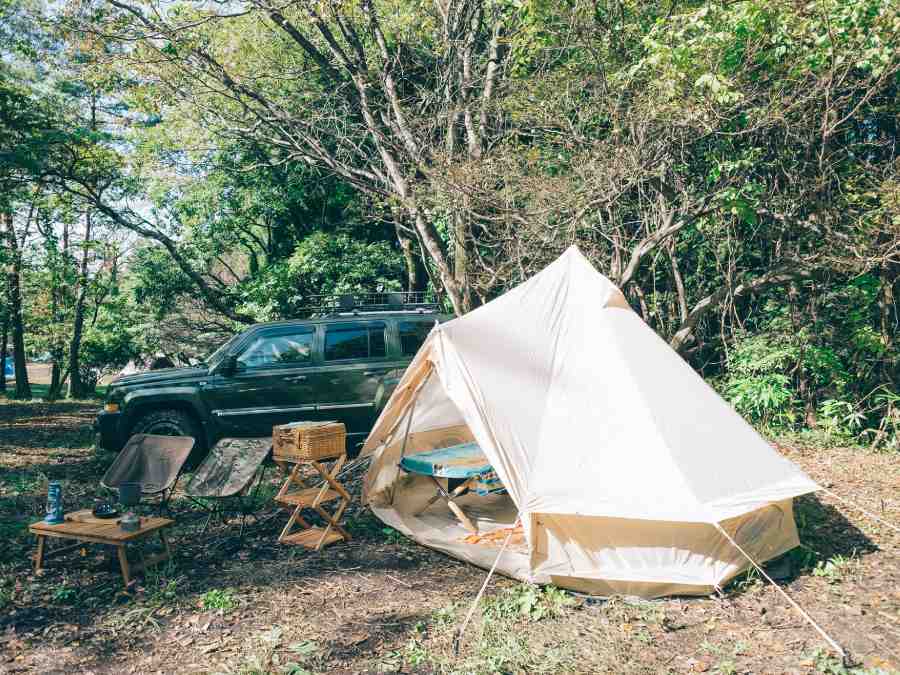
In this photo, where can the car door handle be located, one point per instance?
(295, 378)
(373, 373)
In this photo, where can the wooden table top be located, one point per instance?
(107, 530)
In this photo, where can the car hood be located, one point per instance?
(162, 375)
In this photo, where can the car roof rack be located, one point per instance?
(351, 304)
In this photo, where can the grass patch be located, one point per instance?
(13, 530)
(65, 594)
(269, 655)
(526, 600)
(162, 585)
(835, 569)
(23, 482)
(40, 392)
(219, 599)
(506, 639)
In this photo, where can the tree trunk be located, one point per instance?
(415, 280)
(76, 386)
(461, 256)
(431, 243)
(55, 383)
(415, 270)
(4, 337)
(803, 386)
(23, 389)
(57, 347)
(889, 274)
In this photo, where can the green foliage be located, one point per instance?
(156, 281)
(529, 601)
(220, 599)
(65, 594)
(827, 663)
(322, 263)
(834, 569)
(109, 343)
(392, 536)
(23, 482)
(162, 585)
(754, 386)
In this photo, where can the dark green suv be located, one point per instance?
(340, 367)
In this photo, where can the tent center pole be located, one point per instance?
(412, 411)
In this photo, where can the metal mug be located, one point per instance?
(55, 514)
(129, 493)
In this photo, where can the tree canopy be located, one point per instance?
(172, 171)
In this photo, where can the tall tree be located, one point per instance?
(14, 289)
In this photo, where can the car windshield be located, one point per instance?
(220, 353)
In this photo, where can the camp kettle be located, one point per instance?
(55, 513)
(130, 495)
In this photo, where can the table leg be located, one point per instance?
(165, 543)
(123, 564)
(453, 506)
(39, 555)
(295, 518)
(458, 512)
(458, 490)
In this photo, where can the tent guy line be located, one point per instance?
(457, 639)
(833, 643)
(859, 508)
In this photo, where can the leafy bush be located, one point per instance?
(754, 385)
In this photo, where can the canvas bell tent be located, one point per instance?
(620, 461)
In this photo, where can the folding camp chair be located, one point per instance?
(228, 474)
(465, 462)
(155, 462)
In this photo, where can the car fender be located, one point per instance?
(185, 397)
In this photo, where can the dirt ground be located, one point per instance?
(384, 604)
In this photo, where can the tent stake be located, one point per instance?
(834, 645)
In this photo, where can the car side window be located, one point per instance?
(355, 341)
(412, 335)
(292, 348)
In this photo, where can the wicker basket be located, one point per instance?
(305, 441)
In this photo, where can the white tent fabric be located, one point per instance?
(617, 456)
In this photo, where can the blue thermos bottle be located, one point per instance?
(55, 513)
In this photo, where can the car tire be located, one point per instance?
(172, 422)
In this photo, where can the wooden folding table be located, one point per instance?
(83, 527)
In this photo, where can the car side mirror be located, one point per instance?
(226, 366)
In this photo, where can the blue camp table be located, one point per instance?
(464, 462)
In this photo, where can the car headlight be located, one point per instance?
(111, 407)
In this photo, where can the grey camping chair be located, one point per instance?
(154, 462)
